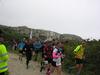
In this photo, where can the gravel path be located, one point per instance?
(17, 67)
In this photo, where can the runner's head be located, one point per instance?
(83, 43)
(1, 37)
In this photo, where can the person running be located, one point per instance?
(44, 61)
(61, 49)
(28, 48)
(14, 44)
(47, 51)
(79, 58)
(57, 55)
(20, 47)
(3, 57)
(37, 47)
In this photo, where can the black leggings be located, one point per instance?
(28, 58)
(3, 73)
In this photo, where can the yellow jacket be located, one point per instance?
(79, 52)
(3, 58)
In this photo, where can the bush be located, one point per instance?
(92, 57)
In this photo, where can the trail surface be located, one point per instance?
(17, 67)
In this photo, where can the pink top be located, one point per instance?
(55, 54)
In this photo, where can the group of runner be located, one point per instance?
(52, 53)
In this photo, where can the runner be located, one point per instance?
(47, 51)
(57, 55)
(20, 47)
(28, 48)
(3, 57)
(44, 61)
(37, 48)
(79, 58)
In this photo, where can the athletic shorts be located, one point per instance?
(57, 62)
(28, 56)
(79, 61)
(53, 64)
(3, 73)
(45, 62)
(37, 51)
(49, 60)
(20, 51)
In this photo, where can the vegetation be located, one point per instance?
(92, 57)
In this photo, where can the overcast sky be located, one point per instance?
(79, 17)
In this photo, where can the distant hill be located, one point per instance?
(70, 37)
(9, 33)
(44, 34)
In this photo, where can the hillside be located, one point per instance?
(70, 37)
(43, 34)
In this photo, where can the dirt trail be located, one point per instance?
(17, 67)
